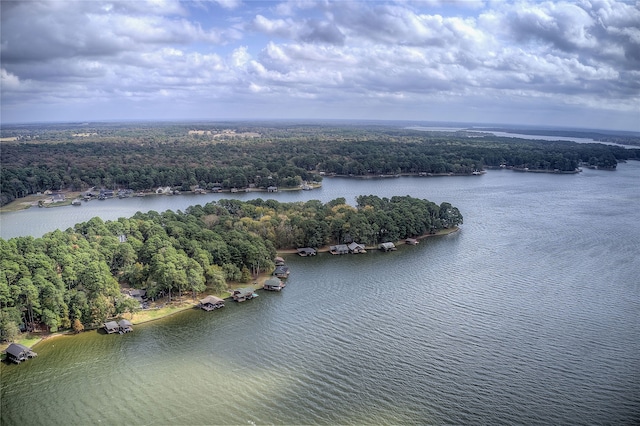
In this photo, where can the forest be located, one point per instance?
(145, 156)
(72, 279)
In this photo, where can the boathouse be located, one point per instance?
(306, 251)
(278, 261)
(411, 241)
(18, 353)
(242, 294)
(339, 249)
(124, 326)
(388, 246)
(210, 303)
(111, 327)
(281, 271)
(356, 248)
(273, 284)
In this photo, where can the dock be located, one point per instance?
(273, 284)
(211, 303)
(243, 294)
(17, 353)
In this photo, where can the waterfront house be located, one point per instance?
(273, 284)
(339, 249)
(306, 251)
(18, 353)
(124, 326)
(57, 198)
(388, 246)
(111, 327)
(281, 271)
(242, 294)
(356, 248)
(210, 303)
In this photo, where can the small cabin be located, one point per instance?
(388, 246)
(339, 249)
(210, 303)
(124, 326)
(18, 353)
(242, 294)
(411, 241)
(111, 327)
(306, 251)
(356, 248)
(139, 295)
(281, 271)
(273, 284)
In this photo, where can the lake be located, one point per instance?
(480, 131)
(530, 314)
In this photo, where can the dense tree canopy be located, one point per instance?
(236, 155)
(72, 278)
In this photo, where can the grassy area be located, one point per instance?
(157, 313)
(29, 340)
(32, 201)
(26, 339)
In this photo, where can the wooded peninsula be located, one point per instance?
(237, 155)
(72, 279)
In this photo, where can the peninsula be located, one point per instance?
(69, 280)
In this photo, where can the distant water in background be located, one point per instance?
(479, 131)
(530, 314)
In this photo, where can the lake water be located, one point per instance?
(530, 314)
(480, 131)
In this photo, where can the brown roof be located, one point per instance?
(211, 299)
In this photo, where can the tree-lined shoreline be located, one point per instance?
(72, 279)
(233, 155)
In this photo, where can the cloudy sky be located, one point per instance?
(573, 64)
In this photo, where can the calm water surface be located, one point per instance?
(528, 315)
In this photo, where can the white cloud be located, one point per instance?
(9, 81)
(331, 56)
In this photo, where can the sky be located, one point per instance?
(544, 63)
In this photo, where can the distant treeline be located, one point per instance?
(71, 279)
(619, 137)
(144, 157)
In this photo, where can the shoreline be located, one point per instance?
(325, 249)
(31, 340)
(33, 200)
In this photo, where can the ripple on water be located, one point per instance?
(529, 314)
